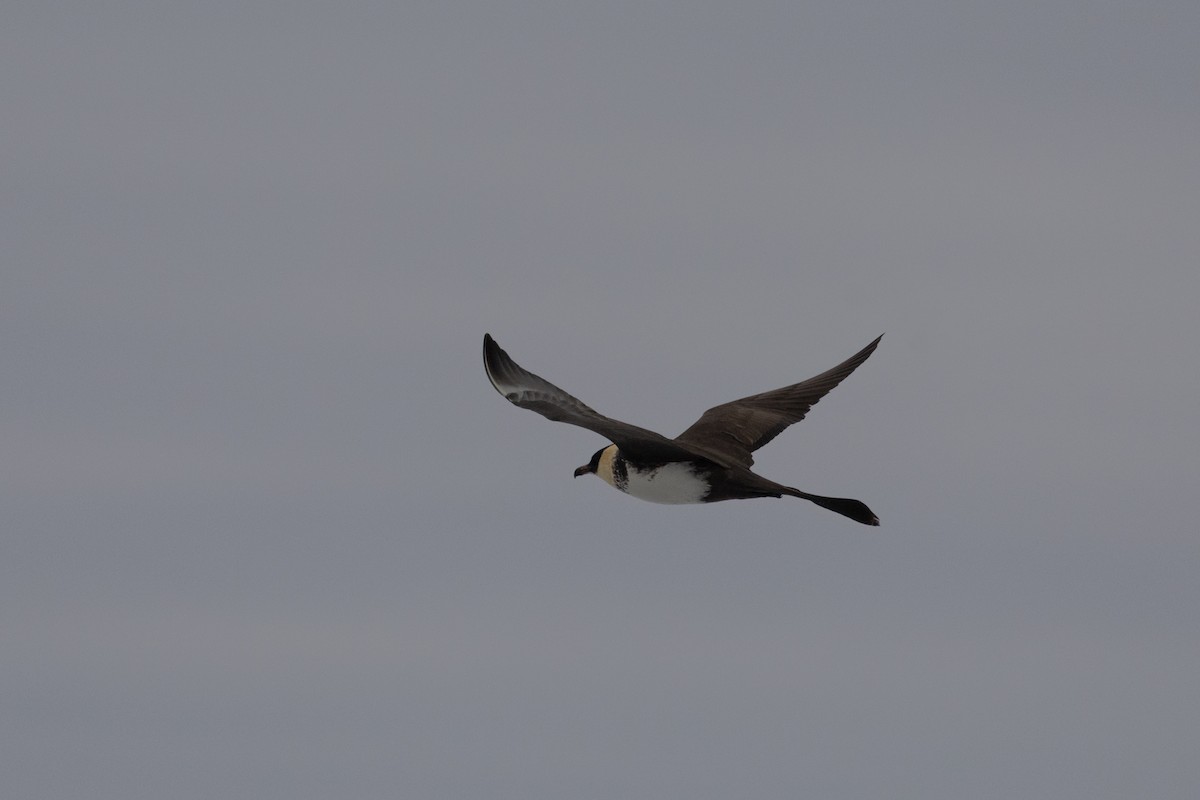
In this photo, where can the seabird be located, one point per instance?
(708, 462)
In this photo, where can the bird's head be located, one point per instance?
(593, 465)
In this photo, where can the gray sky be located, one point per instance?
(268, 531)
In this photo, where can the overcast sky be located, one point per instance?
(267, 531)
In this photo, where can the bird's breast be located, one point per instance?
(673, 483)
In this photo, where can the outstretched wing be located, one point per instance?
(524, 389)
(735, 430)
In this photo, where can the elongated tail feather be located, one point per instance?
(854, 509)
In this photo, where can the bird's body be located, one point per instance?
(672, 483)
(708, 462)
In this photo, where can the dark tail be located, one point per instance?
(853, 509)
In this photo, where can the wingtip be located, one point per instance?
(490, 348)
(491, 359)
(866, 352)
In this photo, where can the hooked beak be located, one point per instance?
(584, 470)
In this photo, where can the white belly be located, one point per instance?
(670, 483)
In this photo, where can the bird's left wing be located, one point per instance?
(525, 390)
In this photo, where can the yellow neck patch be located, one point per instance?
(605, 468)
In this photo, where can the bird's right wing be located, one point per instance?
(732, 431)
(525, 390)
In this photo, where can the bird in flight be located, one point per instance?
(708, 462)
